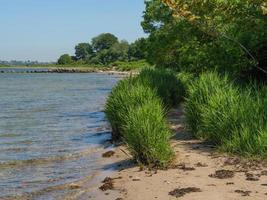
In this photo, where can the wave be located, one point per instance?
(44, 161)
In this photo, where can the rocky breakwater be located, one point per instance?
(72, 70)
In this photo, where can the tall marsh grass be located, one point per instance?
(147, 134)
(232, 118)
(125, 97)
(136, 110)
(170, 89)
(199, 92)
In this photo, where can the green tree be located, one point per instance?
(202, 35)
(138, 49)
(238, 25)
(65, 59)
(83, 50)
(117, 52)
(120, 51)
(104, 41)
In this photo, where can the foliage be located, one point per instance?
(104, 41)
(127, 95)
(65, 59)
(83, 51)
(232, 118)
(136, 114)
(165, 83)
(198, 93)
(235, 120)
(138, 50)
(147, 134)
(186, 79)
(130, 65)
(105, 49)
(197, 36)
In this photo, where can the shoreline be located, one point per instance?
(25, 70)
(198, 172)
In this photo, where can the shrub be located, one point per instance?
(147, 134)
(167, 86)
(186, 79)
(232, 118)
(198, 94)
(235, 120)
(130, 65)
(136, 113)
(127, 95)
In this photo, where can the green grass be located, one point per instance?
(136, 112)
(168, 87)
(230, 117)
(199, 92)
(235, 120)
(4, 66)
(186, 79)
(127, 95)
(147, 134)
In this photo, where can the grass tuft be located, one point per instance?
(147, 135)
(136, 112)
(168, 87)
(232, 118)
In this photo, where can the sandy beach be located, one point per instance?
(199, 172)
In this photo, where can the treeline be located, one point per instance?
(198, 36)
(105, 49)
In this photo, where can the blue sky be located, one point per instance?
(44, 29)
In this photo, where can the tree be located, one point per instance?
(83, 50)
(138, 49)
(65, 59)
(120, 51)
(117, 52)
(201, 35)
(239, 25)
(104, 41)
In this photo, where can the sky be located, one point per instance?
(45, 29)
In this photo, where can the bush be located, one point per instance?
(232, 118)
(235, 120)
(186, 79)
(167, 86)
(126, 96)
(198, 94)
(147, 134)
(65, 59)
(130, 65)
(136, 113)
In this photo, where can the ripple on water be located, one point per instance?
(50, 131)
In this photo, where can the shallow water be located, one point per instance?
(51, 129)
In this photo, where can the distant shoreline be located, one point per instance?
(24, 69)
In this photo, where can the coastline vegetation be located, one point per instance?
(200, 54)
(211, 60)
(136, 110)
(104, 52)
(230, 117)
(107, 51)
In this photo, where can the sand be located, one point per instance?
(192, 177)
